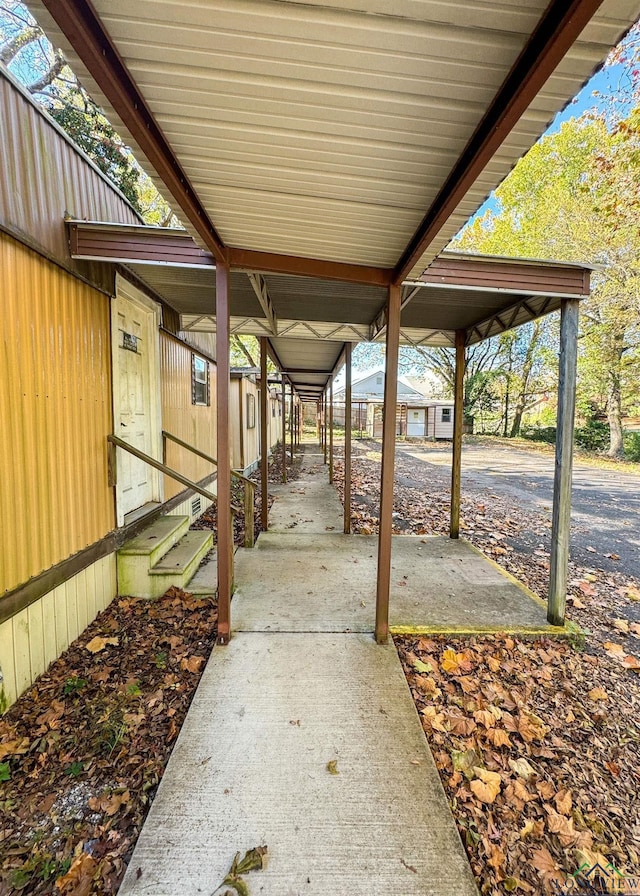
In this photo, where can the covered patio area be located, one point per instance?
(320, 580)
(322, 156)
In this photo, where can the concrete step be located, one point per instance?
(205, 580)
(137, 556)
(156, 539)
(178, 566)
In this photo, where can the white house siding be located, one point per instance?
(436, 427)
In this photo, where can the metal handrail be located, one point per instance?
(158, 465)
(212, 460)
(249, 485)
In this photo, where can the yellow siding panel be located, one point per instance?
(82, 601)
(49, 629)
(251, 434)
(59, 596)
(55, 406)
(191, 423)
(73, 627)
(236, 397)
(35, 637)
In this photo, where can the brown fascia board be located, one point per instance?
(138, 245)
(560, 25)
(508, 275)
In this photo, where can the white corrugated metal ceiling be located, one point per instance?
(323, 131)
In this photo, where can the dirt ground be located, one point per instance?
(537, 742)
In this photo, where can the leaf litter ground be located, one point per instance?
(82, 751)
(537, 741)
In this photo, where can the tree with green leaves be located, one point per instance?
(573, 197)
(46, 75)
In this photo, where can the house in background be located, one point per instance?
(418, 415)
(88, 351)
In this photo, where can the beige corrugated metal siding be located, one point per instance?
(56, 414)
(43, 178)
(192, 423)
(236, 434)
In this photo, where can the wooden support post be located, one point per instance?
(264, 433)
(324, 424)
(347, 441)
(318, 423)
(388, 463)
(284, 431)
(331, 431)
(223, 454)
(249, 510)
(291, 427)
(458, 415)
(561, 521)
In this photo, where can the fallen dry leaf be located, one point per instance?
(563, 800)
(97, 644)
(15, 747)
(78, 881)
(487, 785)
(522, 768)
(193, 664)
(452, 662)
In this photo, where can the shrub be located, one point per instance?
(540, 434)
(632, 445)
(593, 437)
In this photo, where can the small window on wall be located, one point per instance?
(199, 381)
(446, 415)
(251, 411)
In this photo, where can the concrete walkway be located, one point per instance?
(273, 709)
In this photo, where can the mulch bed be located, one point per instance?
(537, 742)
(82, 752)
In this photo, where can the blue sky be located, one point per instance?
(610, 86)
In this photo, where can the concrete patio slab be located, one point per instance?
(309, 504)
(250, 768)
(303, 583)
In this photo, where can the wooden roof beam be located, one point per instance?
(554, 34)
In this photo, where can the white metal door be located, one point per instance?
(135, 362)
(415, 422)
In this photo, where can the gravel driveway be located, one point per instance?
(606, 503)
